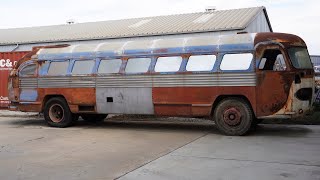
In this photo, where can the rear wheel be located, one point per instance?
(94, 117)
(233, 117)
(57, 113)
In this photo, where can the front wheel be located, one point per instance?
(57, 113)
(233, 117)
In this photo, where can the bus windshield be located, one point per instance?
(300, 58)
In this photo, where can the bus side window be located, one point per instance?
(58, 68)
(201, 63)
(109, 66)
(138, 65)
(168, 64)
(29, 70)
(83, 67)
(236, 61)
(273, 60)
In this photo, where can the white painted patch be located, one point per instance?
(203, 19)
(140, 23)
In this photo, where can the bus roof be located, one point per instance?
(222, 43)
(120, 47)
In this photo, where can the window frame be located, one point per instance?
(181, 67)
(69, 67)
(292, 61)
(274, 47)
(109, 59)
(26, 65)
(73, 61)
(250, 68)
(213, 67)
(123, 69)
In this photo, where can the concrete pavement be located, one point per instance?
(155, 149)
(273, 152)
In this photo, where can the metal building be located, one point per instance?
(193, 24)
(316, 63)
(19, 41)
(315, 60)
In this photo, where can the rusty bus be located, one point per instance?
(237, 80)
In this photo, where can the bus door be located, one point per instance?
(27, 83)
(273, 79)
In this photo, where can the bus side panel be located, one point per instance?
(124, 100)
(274, 89)
(196, 101)
(74, 96)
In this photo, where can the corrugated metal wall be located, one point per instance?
(7, 61)
(260, 24)
(315, 60)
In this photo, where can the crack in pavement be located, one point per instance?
(248, 160)
(148, 162)
(35, 139)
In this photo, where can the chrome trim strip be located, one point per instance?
(159, 80)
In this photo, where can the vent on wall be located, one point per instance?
(210, 8)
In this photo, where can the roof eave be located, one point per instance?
(119, 37)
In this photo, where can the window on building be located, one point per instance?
(29, 70)
(58, 68)
(138, 65)
(236, 61)
(168, 64)
(83, 67)
(109, 66)
(201, 63)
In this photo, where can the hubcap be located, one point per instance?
(232, 116)
(56, 113)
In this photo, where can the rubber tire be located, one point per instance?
(75, 117)
(94, 117)
(68, 119)
(246, 120)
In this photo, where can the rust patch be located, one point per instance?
(195, 101)
(285, 39)
(29, 107)
(273, 89)
(163, 50)
(74, 97)
(34, 51)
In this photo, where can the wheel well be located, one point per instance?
(222, 97)
(46, 99)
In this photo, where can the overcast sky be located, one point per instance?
(300, 17)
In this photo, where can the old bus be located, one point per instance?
(237, 80)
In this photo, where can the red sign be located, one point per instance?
(7, 62)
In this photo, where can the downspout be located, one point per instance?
(15, 48)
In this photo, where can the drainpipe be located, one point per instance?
(17, 45)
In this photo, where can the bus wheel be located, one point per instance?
(94, 117)
(57, 113)
(233, 117)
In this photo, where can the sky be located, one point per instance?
(300, 17)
